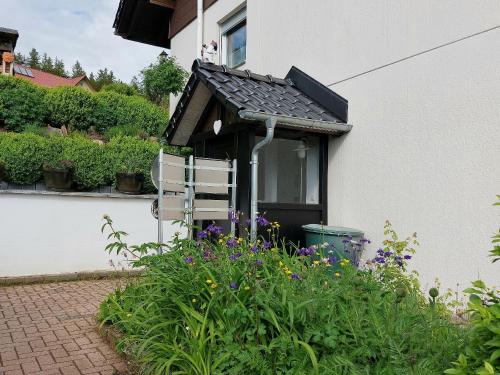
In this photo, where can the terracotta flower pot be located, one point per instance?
(129, 183)
(58, 179)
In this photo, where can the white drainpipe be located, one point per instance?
(199, 31)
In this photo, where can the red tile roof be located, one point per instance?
(45, 79)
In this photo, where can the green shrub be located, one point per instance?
(142, 113)
(92, 168)
(23, 155)
(482, 354)
(120, 88)
(128, 113)
(21, 103)
(71, 106)
(127, 130)
(221, 305)
(124, 150)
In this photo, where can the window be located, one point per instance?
(289, 171)
(234, 40)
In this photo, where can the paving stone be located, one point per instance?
(49, 329)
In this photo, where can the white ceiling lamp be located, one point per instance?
(302, 149)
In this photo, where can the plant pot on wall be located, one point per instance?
(129, 182)
(58, 176)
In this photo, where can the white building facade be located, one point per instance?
(424, 151)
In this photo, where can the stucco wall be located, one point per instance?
(43, 234)
(425, 148)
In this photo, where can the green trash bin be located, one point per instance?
(338, 242)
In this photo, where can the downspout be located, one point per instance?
(199, 30)
(254, 164)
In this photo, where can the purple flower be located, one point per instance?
(233, 217)
(387, 254)
(232, 242)
(253, 249)
(332, 260)
(365, 240)
(266, 245)
(233, 285)
(206, 255)
(235, 256)
(259, 262)
(294, 276)
(215, 229)
(188, 260)
(262, 221)
(380, 252)
(407, 257)
(306, 251)
(202, 234)
(380, 260)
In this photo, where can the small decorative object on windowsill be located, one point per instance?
(58, 176)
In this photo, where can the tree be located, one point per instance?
(77, 70)
(101, 78)
(19, 58)
(59, 68)
(33, 59)
(47, 65)
(163, 78)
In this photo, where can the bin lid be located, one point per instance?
(332, 230)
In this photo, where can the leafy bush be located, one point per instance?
(120, 88)
(223, 305)
(21, 103)
(125, 130)
(124, 151)
(128, 113)
(71, 106)
(23, 155)
(482, 354)
(90, 160)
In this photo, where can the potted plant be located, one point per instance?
(58, 175)
(129, 178)
(2, 170)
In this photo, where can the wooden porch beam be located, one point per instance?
(170, 4)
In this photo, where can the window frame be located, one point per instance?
(231, 24)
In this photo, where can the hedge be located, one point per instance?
(23, 155)
(21, 103)
(71, 106)
(95, 164)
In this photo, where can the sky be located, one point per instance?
(76, 30)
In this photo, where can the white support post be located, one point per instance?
(160, 201)
(190, 197)
(233, 195)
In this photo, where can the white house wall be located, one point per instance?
(44, 234)
(425, 148)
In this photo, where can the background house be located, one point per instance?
(422, 81)
(41, 78)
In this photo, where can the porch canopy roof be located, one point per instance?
(298, 101)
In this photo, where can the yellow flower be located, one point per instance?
(281, 263)
(240, 240)
(221, 241)
(209, 281)
(337, 274)
(316, 262)
(288, 272)
(247, 288)
(129, 315)
(193, 300)
(213, 286)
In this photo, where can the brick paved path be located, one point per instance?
(50, 329)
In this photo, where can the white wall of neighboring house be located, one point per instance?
(425, 148)
(52, 234)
